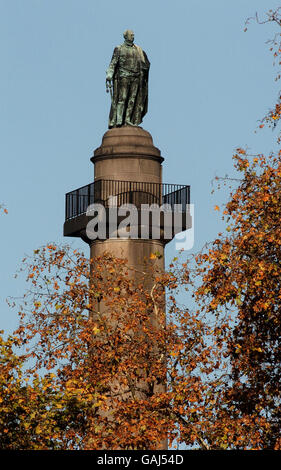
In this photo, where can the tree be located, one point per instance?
(241, 285)
(3, 209)
(241, 279)
(29, 406)
(104, 359)
(272, 16)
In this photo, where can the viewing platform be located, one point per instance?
(173, 198)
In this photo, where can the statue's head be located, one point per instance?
(129, 36)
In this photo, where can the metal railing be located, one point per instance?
(114, 193)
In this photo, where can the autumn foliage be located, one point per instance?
(123, 375)
(241, 280)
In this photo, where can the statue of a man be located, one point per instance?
(128, 74)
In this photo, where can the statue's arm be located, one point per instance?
(112, 66)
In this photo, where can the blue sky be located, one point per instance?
(210, 82)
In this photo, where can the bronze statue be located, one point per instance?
(127, 74)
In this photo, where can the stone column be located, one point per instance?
(128, 154)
